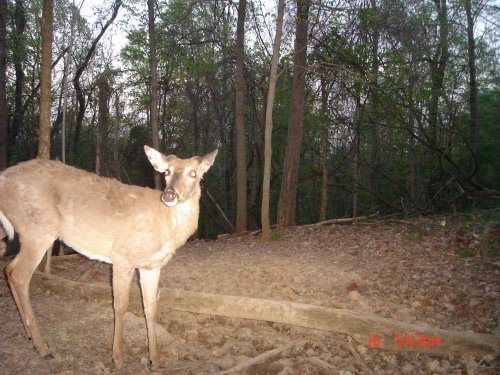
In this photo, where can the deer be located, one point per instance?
(130, 227)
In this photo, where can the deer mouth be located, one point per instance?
(170, 197)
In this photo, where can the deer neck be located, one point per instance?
(180, 221)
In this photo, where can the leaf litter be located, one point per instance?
(407, 271)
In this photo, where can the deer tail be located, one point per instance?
(7, 226)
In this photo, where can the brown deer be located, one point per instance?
(130, 227)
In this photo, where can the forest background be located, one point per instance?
(388, 107)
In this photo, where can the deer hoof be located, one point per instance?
(118, 362)
(154, 366)
(48, 356)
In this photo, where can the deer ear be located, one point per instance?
(208, 160)
(157, 159)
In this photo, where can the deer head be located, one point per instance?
(182, 176)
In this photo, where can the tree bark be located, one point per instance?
(102, 127)
(153, 65)
(412, 154)
(438, 66)
(471, 49)
(374, 116)
(241, 163)
(116, 133)
(273, 76)
(289, 180)
(357, 152)
(3, 85)
(324, 150)
(45, 79)
(80, 96)
(67, 65)
(355, 173)
(192, 89)
(18, 56)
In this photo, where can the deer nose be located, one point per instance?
(169, 196)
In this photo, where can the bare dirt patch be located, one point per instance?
(407, 272)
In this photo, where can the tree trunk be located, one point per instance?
(412, 154)
(45, 79)
(3, 85)
(355, 188)
(437, 67)
(192, 89)
(116, 133)
(76, 80)
(67, 65)
(57, 122)
(153, 65)
(102, 127)
(471, 49)
(357, 152)
(273, 76)
(241, 163)
(289, 180)
(374, 116)
(324, 151)
(18, 57)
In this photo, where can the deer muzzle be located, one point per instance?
(170, 197)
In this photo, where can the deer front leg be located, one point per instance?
(122, 277)
(149, 288)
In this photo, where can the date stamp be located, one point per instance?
(406, 339)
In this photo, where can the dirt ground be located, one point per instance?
(420, 271)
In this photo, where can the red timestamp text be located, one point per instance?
(406, 339)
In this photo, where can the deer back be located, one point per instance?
(98, 217)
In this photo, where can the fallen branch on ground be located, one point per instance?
(261, 358)
(67, 257)
(343, 220)
(355, 324)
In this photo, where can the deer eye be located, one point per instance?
(167, 172)
(192, 174)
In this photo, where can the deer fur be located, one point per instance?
(130, 227)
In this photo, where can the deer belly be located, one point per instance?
(90, 246)
(96, 256)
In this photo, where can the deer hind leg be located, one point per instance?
(19, 273)
(122, 277)
(149, 287)
(8, 271)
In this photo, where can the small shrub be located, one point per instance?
(416, 233)
(276, 235)
(466, 253)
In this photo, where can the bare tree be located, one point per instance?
(437, 64)
(67, 64)
(80, 96)
(273, 76)
(45, 79)
(116, 133)
(241, 164)
(289, 180)
(18, 57)
(102, 127)
(324, 150)
(471, 49)
(374, 98)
